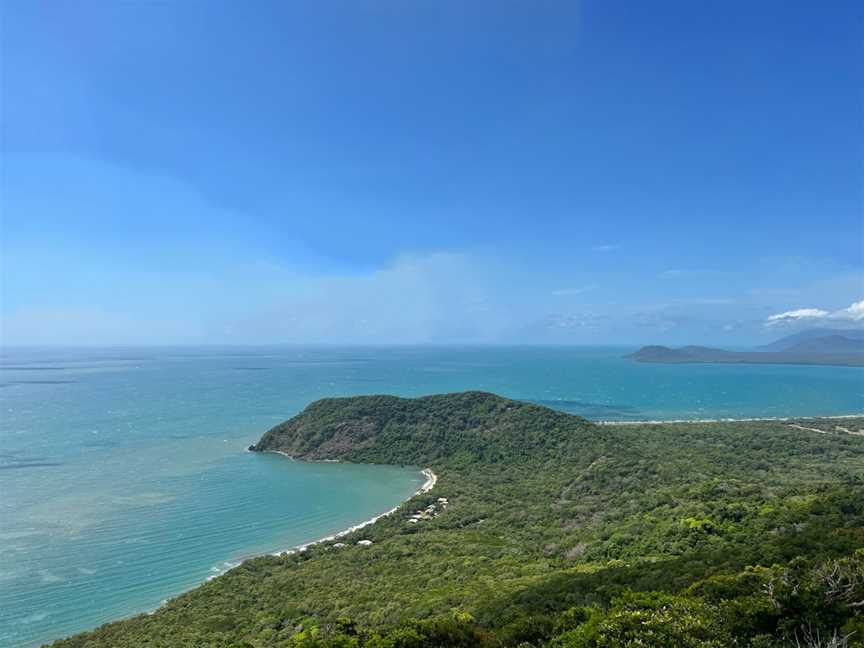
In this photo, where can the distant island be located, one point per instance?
(814, 347)
(545, 530)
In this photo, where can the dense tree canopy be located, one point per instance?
(557, 532)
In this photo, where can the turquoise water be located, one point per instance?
(123, 476)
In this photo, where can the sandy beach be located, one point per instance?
(731, 420)
(428, 485)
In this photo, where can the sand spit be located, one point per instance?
(731, 420)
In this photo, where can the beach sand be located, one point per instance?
(428, 485)
(729, 420)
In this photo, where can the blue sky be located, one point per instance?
(429, 172)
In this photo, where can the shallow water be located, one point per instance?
(123, 476)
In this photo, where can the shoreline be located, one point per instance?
(731, 420)
(428, 485)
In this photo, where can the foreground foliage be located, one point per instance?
(558, 533)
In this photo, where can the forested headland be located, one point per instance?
(547, 530)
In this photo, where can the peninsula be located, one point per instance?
(545, 529)
(814, 347)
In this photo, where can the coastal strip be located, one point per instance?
(279, 452)
(781, 419)
(428, 485)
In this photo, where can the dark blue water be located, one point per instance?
(123, 476)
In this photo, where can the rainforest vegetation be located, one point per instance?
(557, 533)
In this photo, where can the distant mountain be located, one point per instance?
(828, 344)
(790, 341)
(821, 346)
(657, 353)
(697, 354)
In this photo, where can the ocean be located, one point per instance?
(124, 478)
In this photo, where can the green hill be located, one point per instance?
(469, 427)
(556, 532)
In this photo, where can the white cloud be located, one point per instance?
(797, 315)
(854, 313)
(417, 298)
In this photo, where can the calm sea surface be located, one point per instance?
(124, 481)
